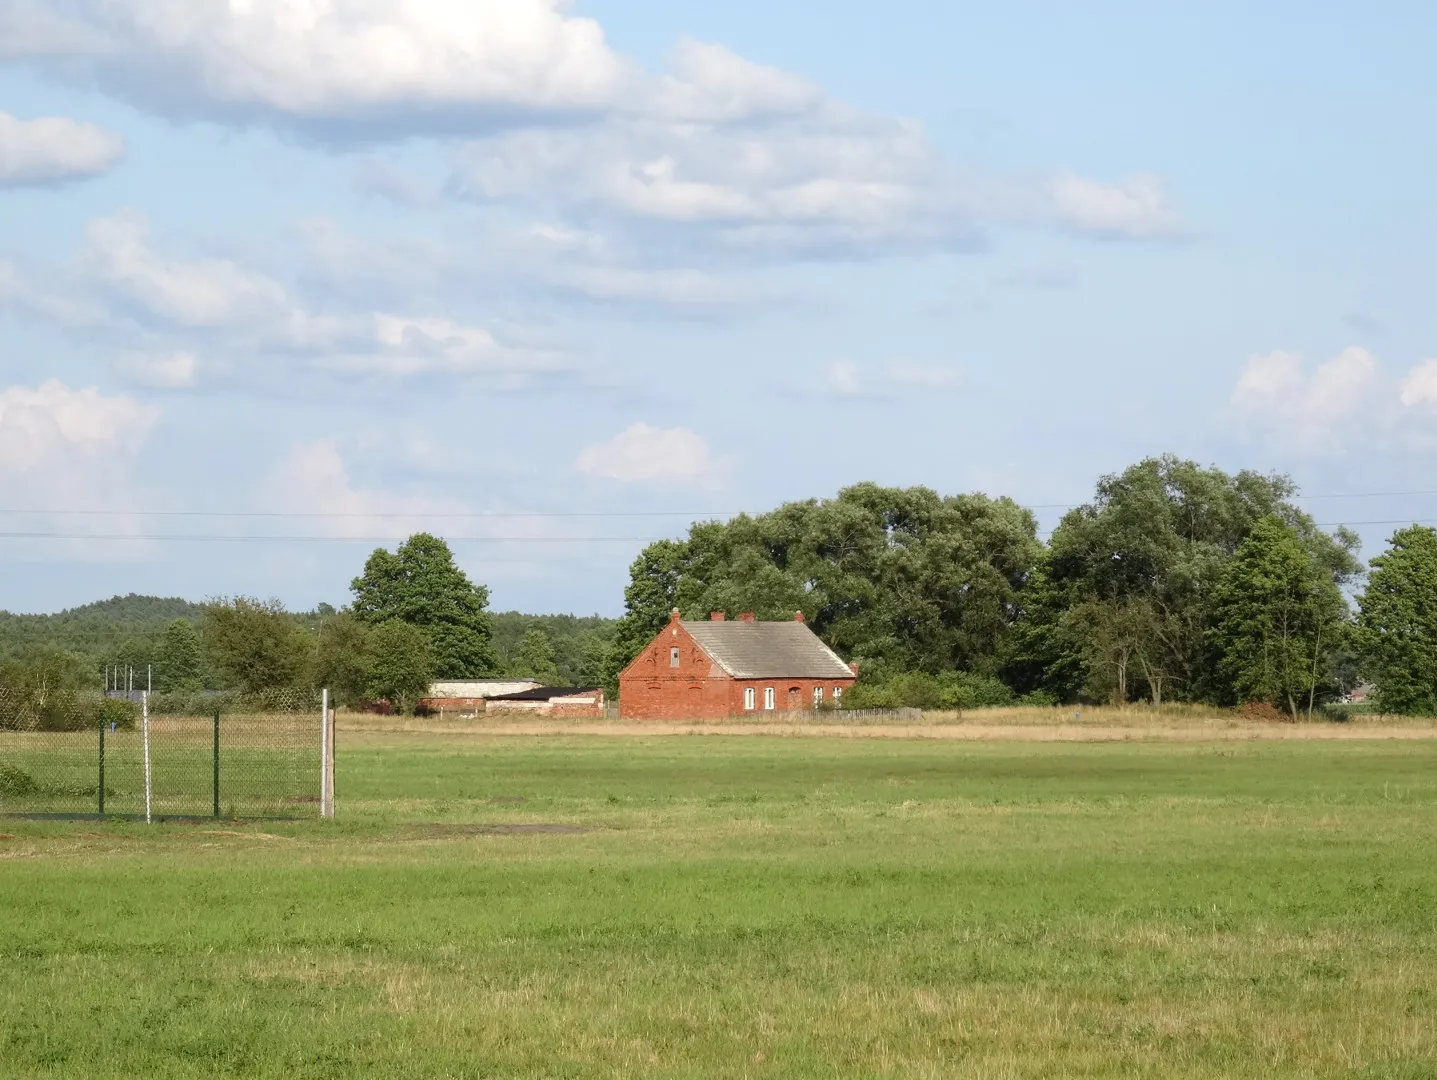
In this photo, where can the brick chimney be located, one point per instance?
(853, 667)
(747, 616)
(675, 616)
(798, 616)
(717, 616)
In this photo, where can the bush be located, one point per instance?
(878, 689)
(123, 715)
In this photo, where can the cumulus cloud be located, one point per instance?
(753, 156)
(163, 311)
(424, 346)
(313, 478)
(645, 454)
(189, 292)
(1419, 389)
(359, 61)
(53, 149)
(1276, 387)
(52, 424)
(1136, 208)
(1343, 402)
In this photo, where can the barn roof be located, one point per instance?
(768, 650)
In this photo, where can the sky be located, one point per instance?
(283, 280)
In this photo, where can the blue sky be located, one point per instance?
(328, 268)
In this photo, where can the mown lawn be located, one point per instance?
(750, 907)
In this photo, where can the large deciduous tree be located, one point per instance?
(419, 584)
(906, 578)
(256, 645)
(343, 657)
(1397, 624)
(1278, 617)
(400, 663)
(181, 658)
(1124, 597)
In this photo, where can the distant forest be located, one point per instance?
(130, 631)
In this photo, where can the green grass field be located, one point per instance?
(751, 907)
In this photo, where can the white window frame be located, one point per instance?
(837, 694)
(769, 697)
(817, 696)
(749, 697)
(674, 656)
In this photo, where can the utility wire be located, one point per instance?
(540, 514)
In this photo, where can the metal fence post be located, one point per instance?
(326, 761)
(217, 764)
(145, 721)
(102, 764)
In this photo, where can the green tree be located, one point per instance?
(914, 579)
(1150, 551)
(1397, 624)
(1278, 618)
(181, 658)
(536, 658)
(256, 645)
(420, 584)
(344, 655)
(401, 665)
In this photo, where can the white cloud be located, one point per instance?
(1420, 386)
(342, 60)
(166, 371)
(644, 454)
(1343, 400)
(52, 427)
(1136, 208)
(843, 378)
(1275, 387)
(161, 310)
(314, 479)
(423, 346)
(52, 149)
(194, 292)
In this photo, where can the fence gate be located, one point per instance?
(85, 755)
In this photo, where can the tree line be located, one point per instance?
(1174, 583)
(414, 617)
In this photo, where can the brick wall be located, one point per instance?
(653, 688)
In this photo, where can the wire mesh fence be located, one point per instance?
(76, 754)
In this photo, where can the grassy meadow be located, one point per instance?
(743, 905)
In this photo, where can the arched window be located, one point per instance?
(748, 699)
(768, 698)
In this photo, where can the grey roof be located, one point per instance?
(768, 650)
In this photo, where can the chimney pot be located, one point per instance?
(717, 616)
(853, 667)
(798, 616)
(747, 616)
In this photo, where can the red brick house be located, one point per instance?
(699, 670)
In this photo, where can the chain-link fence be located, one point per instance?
(190, 756)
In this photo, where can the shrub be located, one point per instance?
(121, 714)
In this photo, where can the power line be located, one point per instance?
(416, 515)
(541, 514)
(212, 537)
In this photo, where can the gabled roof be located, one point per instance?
(768, 650)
